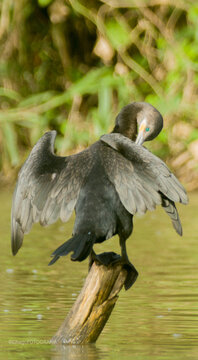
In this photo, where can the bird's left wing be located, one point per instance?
(47, 188)
(141, 179)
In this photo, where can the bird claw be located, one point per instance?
(111, 258)
(132, 275)
(105, 258)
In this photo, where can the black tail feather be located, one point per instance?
(171, 210)
(80, 244)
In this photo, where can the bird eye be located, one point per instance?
(147, 129)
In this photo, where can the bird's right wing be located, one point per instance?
(47, 188)
(141, 179)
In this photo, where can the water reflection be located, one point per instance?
(75, 352)
(157, 318)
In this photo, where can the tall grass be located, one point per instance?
(71, 65)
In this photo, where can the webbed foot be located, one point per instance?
(132, 275)
(106, 258)
(110, 258)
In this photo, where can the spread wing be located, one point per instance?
(141, 179)
(47, 188)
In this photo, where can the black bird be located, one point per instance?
(106, 184)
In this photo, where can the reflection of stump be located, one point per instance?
(93, 306)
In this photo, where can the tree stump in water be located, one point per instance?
(93, 306)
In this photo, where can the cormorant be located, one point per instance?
(106, 184)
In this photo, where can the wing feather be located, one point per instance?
(139, 176)
(48, 187)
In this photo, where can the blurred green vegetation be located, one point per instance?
(71, 65)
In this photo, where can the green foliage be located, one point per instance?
(44, 3)
(117, 34)
(71, 65)
(193, 136)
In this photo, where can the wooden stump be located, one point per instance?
(93, 306)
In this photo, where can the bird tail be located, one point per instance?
(80, 244)
(171, 210)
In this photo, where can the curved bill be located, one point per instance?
(140, 138)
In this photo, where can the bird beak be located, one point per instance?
(140, 137)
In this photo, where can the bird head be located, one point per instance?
(141, 118)
(150, 123)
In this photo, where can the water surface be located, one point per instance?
(156, 319)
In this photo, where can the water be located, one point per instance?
(156, 319)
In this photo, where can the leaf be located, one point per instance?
(10, 142)
(11, 94)
(193, 13)
(37, 99)
(163, 137)
(117, 34)
(169, 106)
(90, 82)
(193, 136)
(44, 3)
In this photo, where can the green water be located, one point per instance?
(156, 319)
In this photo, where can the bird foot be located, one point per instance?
(132, 275)
(110, 258)
(106, 258)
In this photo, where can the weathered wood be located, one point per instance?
(93, 306)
